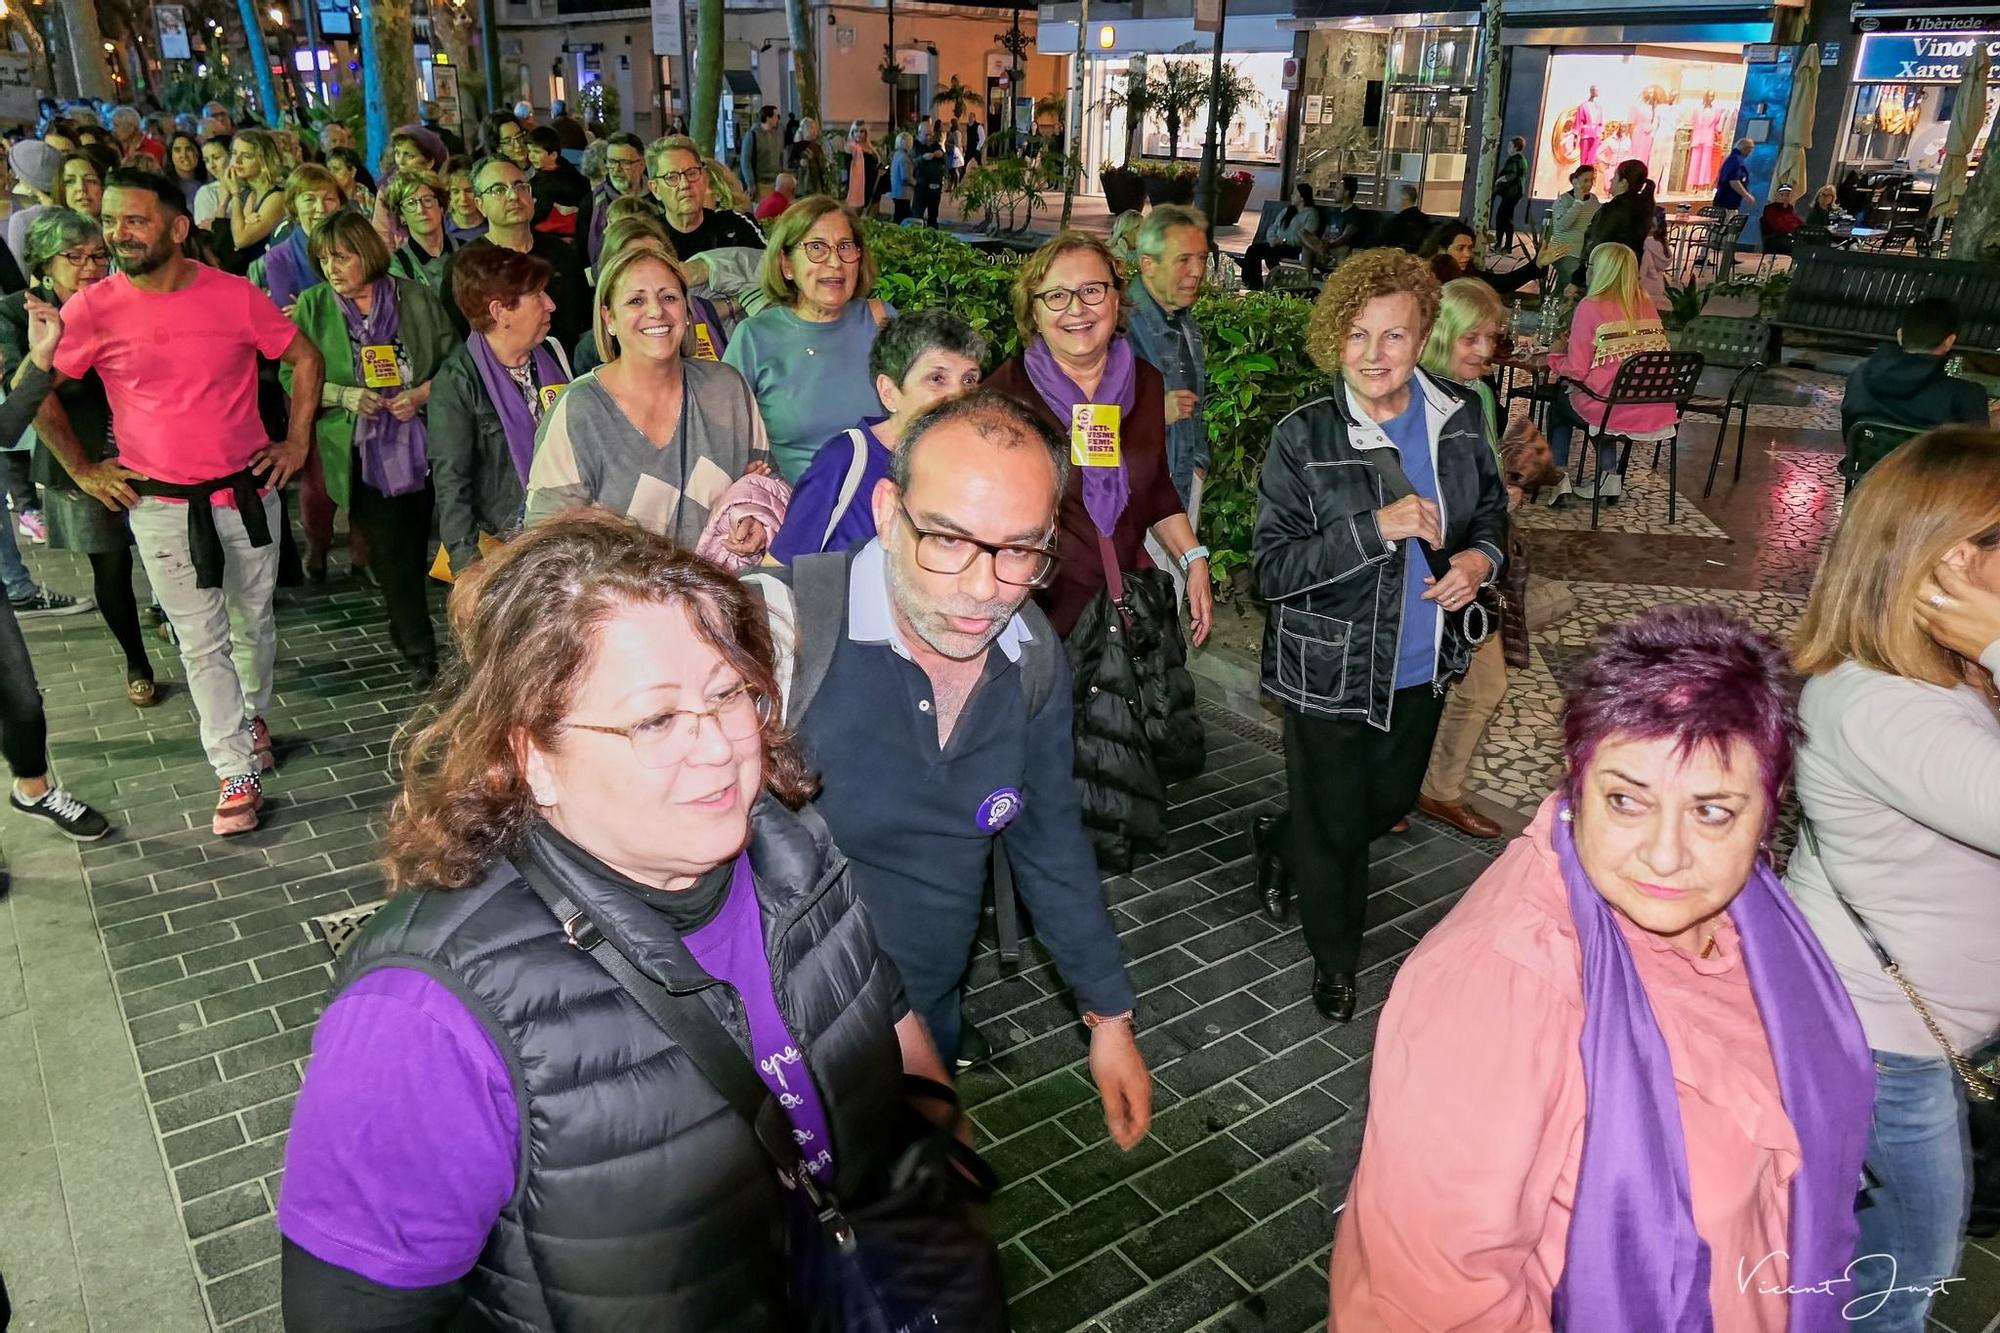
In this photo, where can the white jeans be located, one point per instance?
(228, 635)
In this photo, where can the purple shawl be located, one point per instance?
(1634, 1259)
(516, 419)
(1105, 489)
(393, 457)
(288, 269)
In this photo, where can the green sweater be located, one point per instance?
(426, 336)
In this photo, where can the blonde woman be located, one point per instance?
(1899, 779)
(257, 204)
(1613, 322)
(862, 167)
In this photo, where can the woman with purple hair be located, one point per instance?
(1620, 1086)
(1899, 778)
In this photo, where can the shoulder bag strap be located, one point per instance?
(1389, 466)
(1114, 582)
(1976, 1084)
(685, 1019)
(781, 619)
(849, 484)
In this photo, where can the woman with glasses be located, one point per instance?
(66, 253)
(806, 354)
(1071, 317)
(417, 199)
(652, 433)
(606, 804)
(383, 338)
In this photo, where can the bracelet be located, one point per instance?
(1095, 1021)
(1191, 555)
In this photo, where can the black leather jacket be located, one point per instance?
(1334, 585)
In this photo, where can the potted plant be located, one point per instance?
(1124, 189)
(1168, 182)
(1232, 193)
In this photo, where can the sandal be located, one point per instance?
(141, 692)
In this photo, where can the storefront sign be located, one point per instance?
(1916, 58)
(171, 20)
(1925, 22)
(667, 28)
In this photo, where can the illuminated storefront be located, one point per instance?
(1676, 113)
(1904, 96)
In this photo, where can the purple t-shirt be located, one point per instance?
(406, 1140)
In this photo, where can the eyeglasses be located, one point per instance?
(623, 161)
(422, 203)
(82, 258)
(665, 739)
(504, 188)
(687, 178)
(1056, 299)
(819, 251)
(953, 553)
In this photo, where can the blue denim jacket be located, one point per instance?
(1172, 343)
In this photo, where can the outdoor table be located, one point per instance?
(1535, 365)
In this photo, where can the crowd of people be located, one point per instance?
(781, 629)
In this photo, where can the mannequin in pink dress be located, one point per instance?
(1701, 153)
(1589, 128)
(1644, 118)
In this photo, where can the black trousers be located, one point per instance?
(24, 730)
(1503, 220)
(929, 197)
(398, 532)
(900, 209)
(1257, 256)
(1348, 783)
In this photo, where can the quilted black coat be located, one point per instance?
(1136, 726)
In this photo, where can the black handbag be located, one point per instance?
(914, 1255)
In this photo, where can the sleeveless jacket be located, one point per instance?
(643, 1201)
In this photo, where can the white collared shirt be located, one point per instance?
(871, 617)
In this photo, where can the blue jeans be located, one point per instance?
(13, 573)
(1563, 426)
(1920, 1151)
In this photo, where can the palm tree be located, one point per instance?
(1172, 90)
(707, 77)
(955, 93)
(805, 59)
(389, 73)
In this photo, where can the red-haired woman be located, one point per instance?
(606, 816)
(489, 396)
(1629, 1091)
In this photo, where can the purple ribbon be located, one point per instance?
(1634, 1259)
(1105, 489)
(393, 456)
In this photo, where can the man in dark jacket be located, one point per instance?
(939, 718)
(1408, 226)
(1906, 384)
(1507, 192)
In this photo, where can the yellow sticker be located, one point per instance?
(704, 345)
(378, 367)
(551, 392)
(1093, 435)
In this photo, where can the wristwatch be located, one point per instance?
(1095, 1021)
(1192, 554)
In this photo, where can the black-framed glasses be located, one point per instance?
(1056, 299)
(954, 552)
(622, 162)
(687, 178)
(817, 251)
(665, 739)
(421, 203)
(83, 258)
(500, 188)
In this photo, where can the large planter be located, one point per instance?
(1170, 189)
(1230, 198)
(1124, 191)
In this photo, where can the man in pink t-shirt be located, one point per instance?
(176, 345)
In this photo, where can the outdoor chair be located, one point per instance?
(1868, 443)
(1646, 379)
(1726, 344)
(1719, 246)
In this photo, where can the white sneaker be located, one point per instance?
(1606, 488)
(1556, 494)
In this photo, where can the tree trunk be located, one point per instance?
(1072, 140)
(389, 71)
(805, 60)
(1491, 109)
(253, 33)
(1976, 232)
(707, 95)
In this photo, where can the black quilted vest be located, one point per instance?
(643, 1201)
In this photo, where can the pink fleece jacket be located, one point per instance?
(1575, 363)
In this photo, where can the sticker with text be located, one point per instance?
(1093, 435)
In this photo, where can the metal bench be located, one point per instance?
(1861, 295)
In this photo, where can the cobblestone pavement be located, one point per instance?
(157, 991)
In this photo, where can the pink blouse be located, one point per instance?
(1459, 1211)
(1574, 363)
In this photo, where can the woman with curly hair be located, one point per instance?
(494, 1131)
(1380, 515)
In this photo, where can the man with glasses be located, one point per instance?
(934, 700)
(509, 207)
(624, 178)
(680, 182)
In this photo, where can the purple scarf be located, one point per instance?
(288, 268)
(1634, 1259)
(505, 394)
(393, 457)
(1105, 489)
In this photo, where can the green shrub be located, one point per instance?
(922, 267)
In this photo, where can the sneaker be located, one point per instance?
(973, 1048)
(260, 741)
(77, 820)
(47, 602)
(1556, 494)
(33, 526)
(236, 811)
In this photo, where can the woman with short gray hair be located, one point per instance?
(66, 253)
